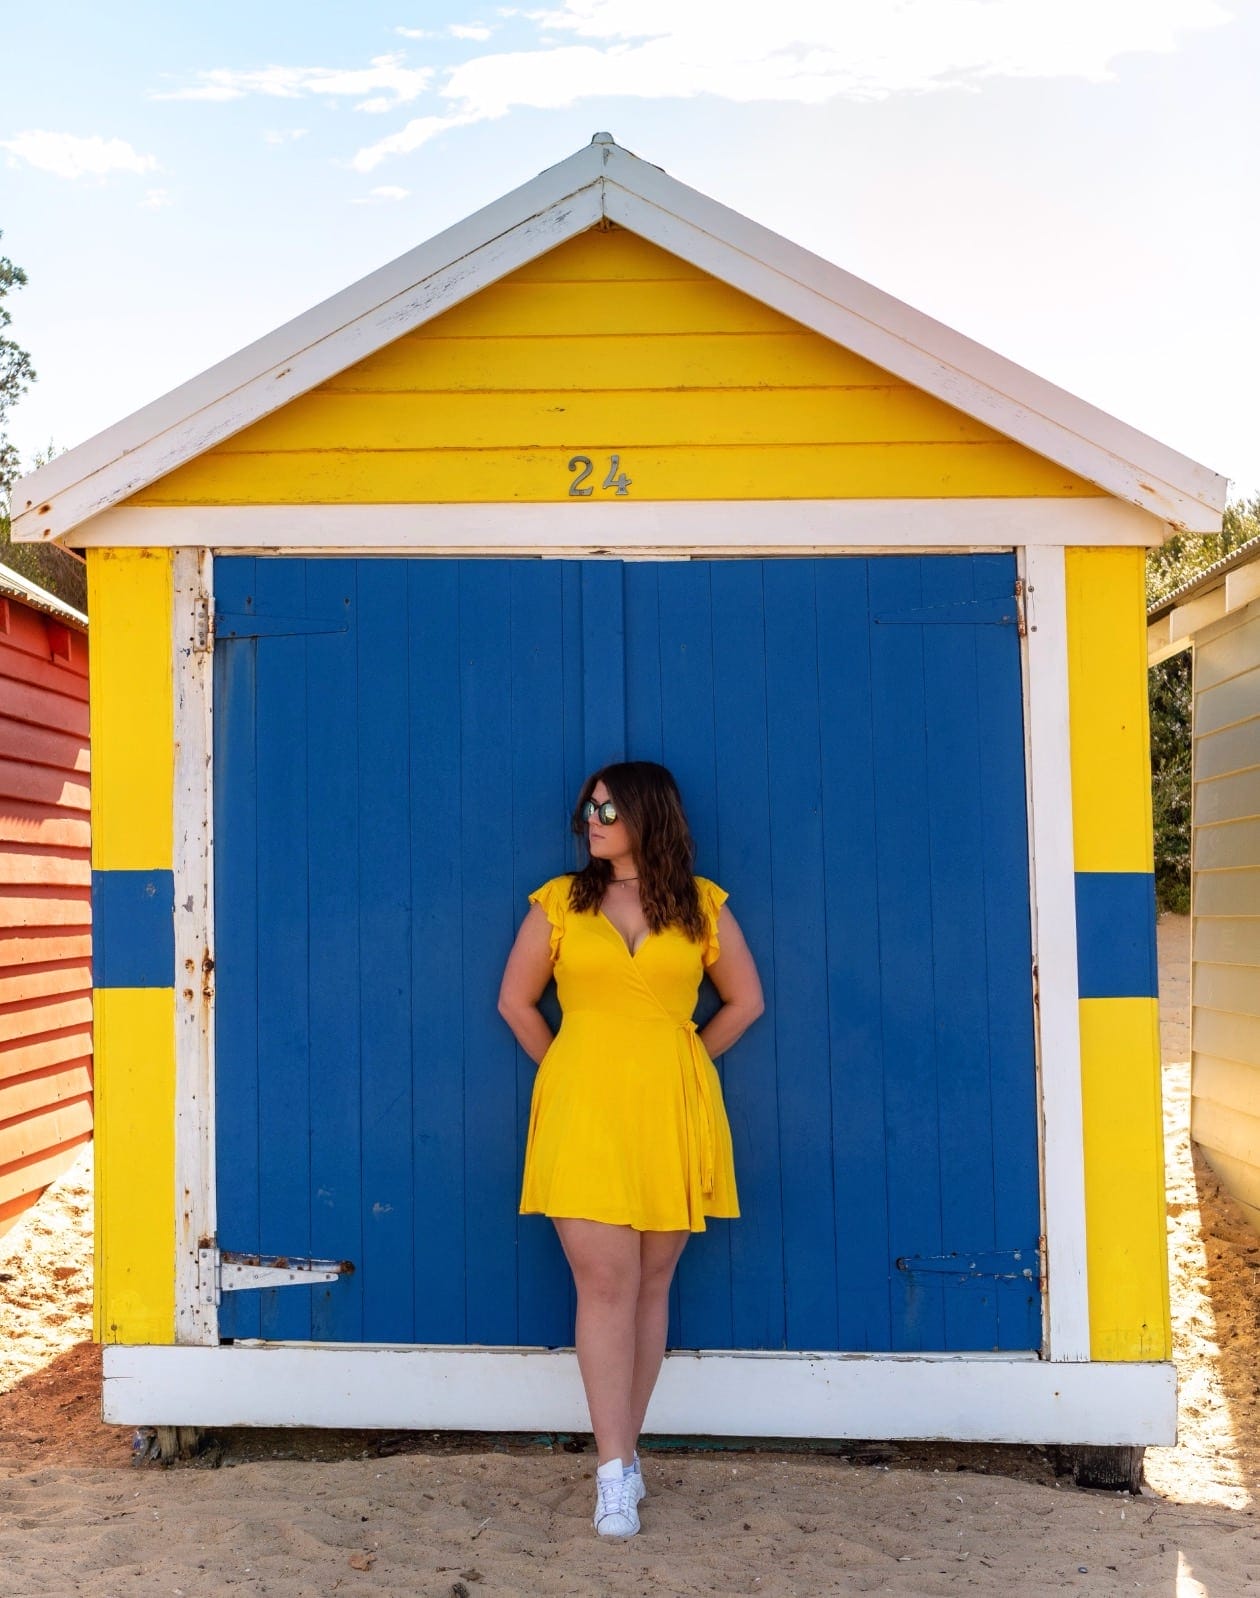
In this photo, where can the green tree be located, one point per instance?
(16, 372)
(48, 565)
(1178, 561)
(1185, 555)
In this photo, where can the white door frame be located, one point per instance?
(1052, 887)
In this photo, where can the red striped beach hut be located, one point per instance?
(45, 892)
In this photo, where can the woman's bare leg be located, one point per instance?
(659, 1253)
(605, 1261)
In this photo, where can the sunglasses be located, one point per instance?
(607, 812)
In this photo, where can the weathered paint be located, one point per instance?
(45, 976)
(1120, 1060)
(130, 594)
(1111, 762)
(843, 780)
(609, 345)
(1124, 1180)
(135, 1164)
(133, 933)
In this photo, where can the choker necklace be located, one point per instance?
(625, 879)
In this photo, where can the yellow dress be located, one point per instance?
(627, 1123)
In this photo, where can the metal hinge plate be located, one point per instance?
(203, 625)
(230, 624)
(222, 1271)
(993, 611)
(1003, 1265)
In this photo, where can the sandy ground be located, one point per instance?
(306, 1515)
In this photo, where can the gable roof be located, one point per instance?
(603, 181)
(13, 585)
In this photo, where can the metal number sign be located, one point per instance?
(614, 478)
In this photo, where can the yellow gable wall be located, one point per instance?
(608, 345)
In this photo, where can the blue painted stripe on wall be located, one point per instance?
(1115, 934)
(133, 929)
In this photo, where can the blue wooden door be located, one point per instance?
(397, 745)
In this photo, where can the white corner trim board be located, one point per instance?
(960, 1398)
(573, 528)
(196, 1320)
(1052, 860)
(602, 182)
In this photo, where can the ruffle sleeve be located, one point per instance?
(553, 898)
(712, 898)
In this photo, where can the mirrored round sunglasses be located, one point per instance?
(607, 812)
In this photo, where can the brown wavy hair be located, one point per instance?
(648, 801)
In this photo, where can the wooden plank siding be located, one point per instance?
(609, 345)
(387, 795)
(1225, 1027)
(45, 910)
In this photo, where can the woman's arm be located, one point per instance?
(734, 975)
(525, 978)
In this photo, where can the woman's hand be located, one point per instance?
(525, 978)
(734, 975)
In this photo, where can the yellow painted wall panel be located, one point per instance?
(424, 363)
(677, 417)
(1110, 739)
(542, 310)
(607, 255)
(130, 598)
(820, 471)
(135, 1165)
(609, 345)
(1124, 1180)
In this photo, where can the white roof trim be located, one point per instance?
(13, 585)
(600, 181)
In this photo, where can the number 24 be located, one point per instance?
(612, 480)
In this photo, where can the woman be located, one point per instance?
(629, 1148)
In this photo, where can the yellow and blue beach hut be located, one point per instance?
(605, 471)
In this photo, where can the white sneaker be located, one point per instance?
(636, 1472)
(616, 1501)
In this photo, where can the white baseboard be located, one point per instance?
(973, 1398)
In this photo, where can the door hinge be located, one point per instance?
(1021, 609)
(203, 625)
(230, 625)
(1003, 1265)
(992, 611)
(222, 1271)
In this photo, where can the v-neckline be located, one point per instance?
(621, 937)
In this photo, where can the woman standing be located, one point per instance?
(629, 1147)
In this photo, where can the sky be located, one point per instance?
(1073, 183)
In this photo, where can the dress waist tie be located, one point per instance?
(699, 1097)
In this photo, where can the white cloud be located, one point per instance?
(157, 199)
(68, 156)
(805, 52)
(386, 82)
(383, 195)
(417, 132)
(810, 51)
(477, 31)
(284, 135)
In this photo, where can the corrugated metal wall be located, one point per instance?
(45, 914)
(1226, 1021)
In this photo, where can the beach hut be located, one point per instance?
(1217, 617)
(45, 892)
(608, 470)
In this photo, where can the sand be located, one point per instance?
(306, 1515)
